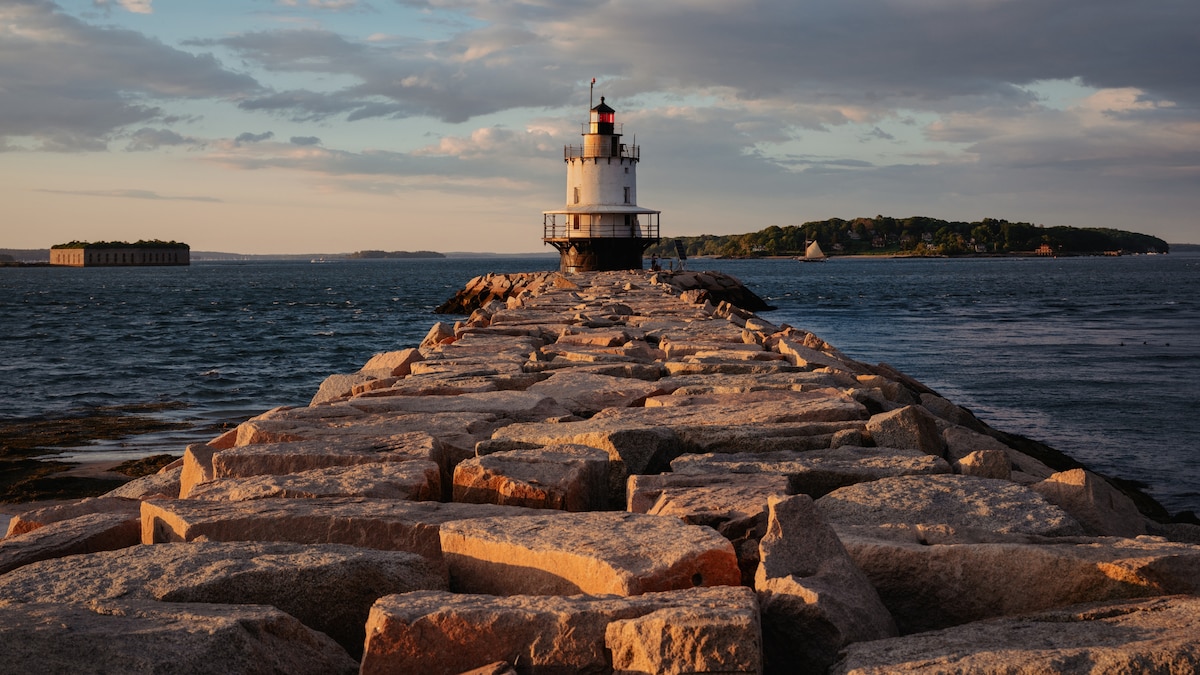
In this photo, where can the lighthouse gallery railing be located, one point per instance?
(624, 151)
(552, 229)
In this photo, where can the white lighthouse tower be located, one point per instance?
(602, 227)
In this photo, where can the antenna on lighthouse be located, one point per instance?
(590, 90)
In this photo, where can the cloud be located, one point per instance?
(130, 194)
(70, 86)
(404, 77)
(803, 63)
(876, 134)
(494, 143)
(146, 139)
(135, 6)
(334, 5)
(822, 163)
(1106, 132)
(303, 105)
(874, 55)
(247, 137)
(863, 103)
(513, 167)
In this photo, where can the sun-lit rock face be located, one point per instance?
(598, 553)
(1156, 635)
(122, 636)
(328, 587)
(562, 477)
(603, 472)
(711, 629)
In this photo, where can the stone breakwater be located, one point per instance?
(714, 287)
(608, 472)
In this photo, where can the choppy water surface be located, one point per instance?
(228, 339)
(1098, 357)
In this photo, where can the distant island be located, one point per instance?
(917, 236)
(120, 253)
(372, 255)
(836, 237)
(318, 257)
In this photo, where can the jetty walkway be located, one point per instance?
(606, 472)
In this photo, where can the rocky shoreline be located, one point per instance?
(27, 475)
(608, 472)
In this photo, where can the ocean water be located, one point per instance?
(1098, 357)
(209, 344)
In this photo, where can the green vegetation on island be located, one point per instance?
(371, 255)
(917, 236)
(141, 243)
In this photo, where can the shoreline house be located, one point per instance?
(120, 254)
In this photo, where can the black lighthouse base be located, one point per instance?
(601, 254)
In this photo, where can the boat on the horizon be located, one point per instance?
(813, 253)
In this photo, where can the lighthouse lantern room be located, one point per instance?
(601, 227)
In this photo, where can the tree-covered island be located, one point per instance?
(917, 236)
(141, 243)
(373, 255)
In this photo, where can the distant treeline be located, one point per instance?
(25, 254)
(915, 236)
(140, 243)
(394, 254)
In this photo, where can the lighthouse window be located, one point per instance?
(575, 221)
(576, 195)
(626, 194)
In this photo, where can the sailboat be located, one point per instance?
(813, 253)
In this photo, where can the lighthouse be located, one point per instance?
(601, 227)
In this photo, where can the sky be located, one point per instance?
(303, 126)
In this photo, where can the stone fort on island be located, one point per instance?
(120, 254)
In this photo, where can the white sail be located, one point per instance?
(814, 252)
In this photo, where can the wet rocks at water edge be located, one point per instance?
(606, 472)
